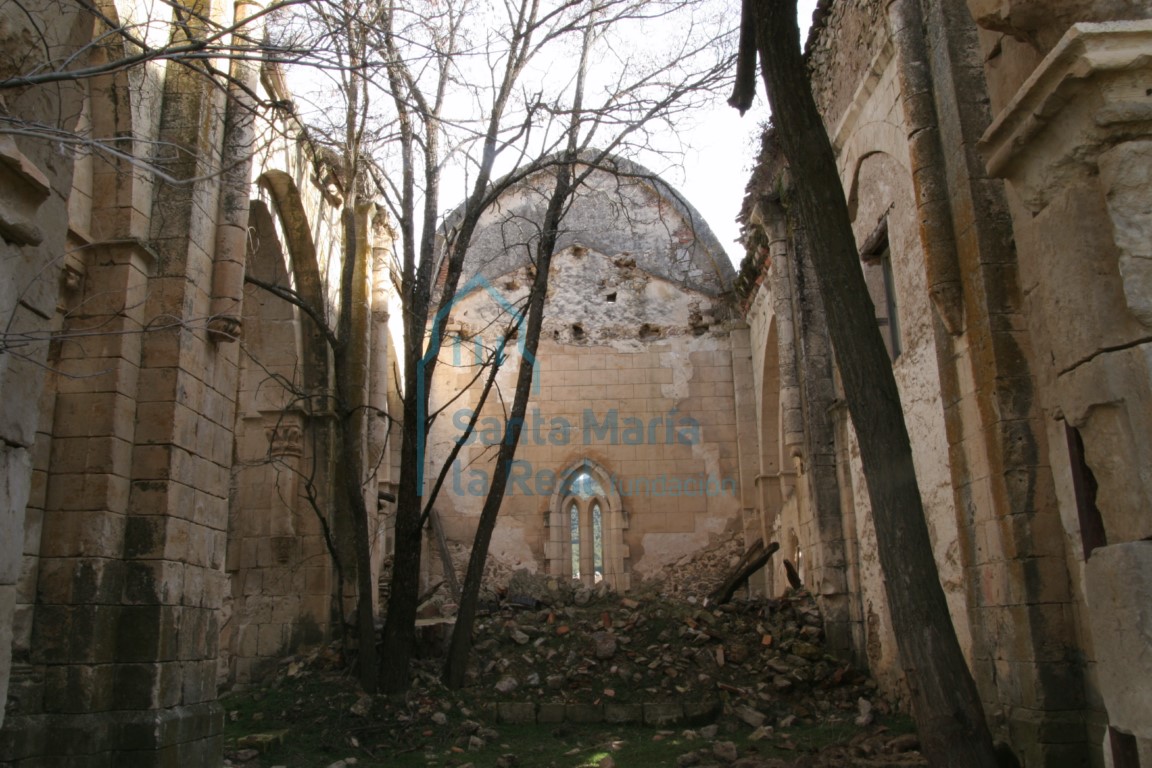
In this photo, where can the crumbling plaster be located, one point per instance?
(635, 372)
(1072, 141)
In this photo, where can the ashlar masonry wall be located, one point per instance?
(635, 386)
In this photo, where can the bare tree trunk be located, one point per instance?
(754, 559)
(945, 702)
(399, 626)
(351, 363)
(461, 645)
(400, 623)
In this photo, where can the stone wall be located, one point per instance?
(1070, 136)
(635, 386)
(1020, 311)
(855, 40)
(126, 472)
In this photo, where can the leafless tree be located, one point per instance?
(481, 90)
(945, 702)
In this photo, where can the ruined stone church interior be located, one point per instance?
(167, 468)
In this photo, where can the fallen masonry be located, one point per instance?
(661, 662)
(557, 657)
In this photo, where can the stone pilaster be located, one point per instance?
(1075, 145)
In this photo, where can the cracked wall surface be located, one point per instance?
(1005, 145)
(634, 379)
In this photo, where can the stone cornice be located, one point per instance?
(1087, 94)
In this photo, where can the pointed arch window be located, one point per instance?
(876, 255)
(586, 525)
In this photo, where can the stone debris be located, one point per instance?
(552, 654)
(695, 576)
(725, 751)
(865, 708)
(648, 658)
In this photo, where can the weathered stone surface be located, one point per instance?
(750, 716)
(603, 645)
(584, 713)
(1119, 585)
(663, 713)
(551, 712)
(616, 712)
(725, 751)
(507, 684)
(517, 712)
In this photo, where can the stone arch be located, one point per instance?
(573, 491)
(768, 478)
(275, 537)
(869, 139)
(300, 249)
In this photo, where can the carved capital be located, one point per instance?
(224, 328)
(285, 440)
(1089, 94)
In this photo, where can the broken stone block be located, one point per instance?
(618, 712)
(750, 716)
(1119, 590)
(865, 708)
(604, 645)
(725, 751)
(663, 713)
(761, 733)
(516, 712)
(262, 741)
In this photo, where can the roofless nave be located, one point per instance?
(157, 540)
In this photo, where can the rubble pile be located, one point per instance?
(732, 684)
(695, 575)
(759, 661)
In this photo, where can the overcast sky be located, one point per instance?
(711, 158)
(723, 147)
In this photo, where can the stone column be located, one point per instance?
(26, 300)
(1075, 144)
(236, 183)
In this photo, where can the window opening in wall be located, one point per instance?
(1125, 750)
(1092, 533)
(877, 258)
(574, 524)
(893, 318)
(585, 526)
(597, 543)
